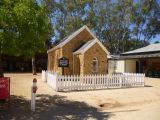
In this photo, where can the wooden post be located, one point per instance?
(62, 70)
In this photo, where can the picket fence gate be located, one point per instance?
(91, 82)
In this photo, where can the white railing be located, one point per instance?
(44, 76)
(50, 78)
(88, 82)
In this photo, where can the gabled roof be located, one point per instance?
(147, 49)
(88, 45)
(70, 37)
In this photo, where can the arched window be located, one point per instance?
(94, 65)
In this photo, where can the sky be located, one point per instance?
(157, 38)
(153, 40)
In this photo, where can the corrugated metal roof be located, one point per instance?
(149, 48)
(153, 55)
(114, 57)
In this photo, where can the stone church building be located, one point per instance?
(84, 53)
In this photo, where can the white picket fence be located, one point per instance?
(44, 76)
(91, 82)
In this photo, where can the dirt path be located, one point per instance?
(113, 104)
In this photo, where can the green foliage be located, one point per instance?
(24, 27)
(157, 42)
(26, 24)
(146, 19)
(114, 22)
(134, 44)
(68, 15)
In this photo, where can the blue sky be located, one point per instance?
(157, 38)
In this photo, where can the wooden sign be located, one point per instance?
(63, 62)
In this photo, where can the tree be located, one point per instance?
(37, 29)
(153, 24)
(114, 22)
(134, 44)
(67, 16)
(8, 31)
(146, 19)
(24, 28)
(157, 42)
(104, 17)
(111, 22)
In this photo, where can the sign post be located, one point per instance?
(33, 94)
(63, 62)
(62, 70)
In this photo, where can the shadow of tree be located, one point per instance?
(51, 108)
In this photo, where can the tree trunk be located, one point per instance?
(33, 66)
(1, 67)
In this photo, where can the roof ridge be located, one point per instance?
(61, 44)
(87, 45)
(148, 48)
(83, 47)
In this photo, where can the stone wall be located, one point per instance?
(78, 64)
(98, 52)
(53, 57)
(71, 47)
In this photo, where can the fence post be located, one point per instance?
(120, 82)
(56, 82)
(44, 75)
(143, 79)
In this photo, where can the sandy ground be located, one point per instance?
(142, 103)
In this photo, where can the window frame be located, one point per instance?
(95, 68)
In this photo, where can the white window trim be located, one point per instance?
(97, 65)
